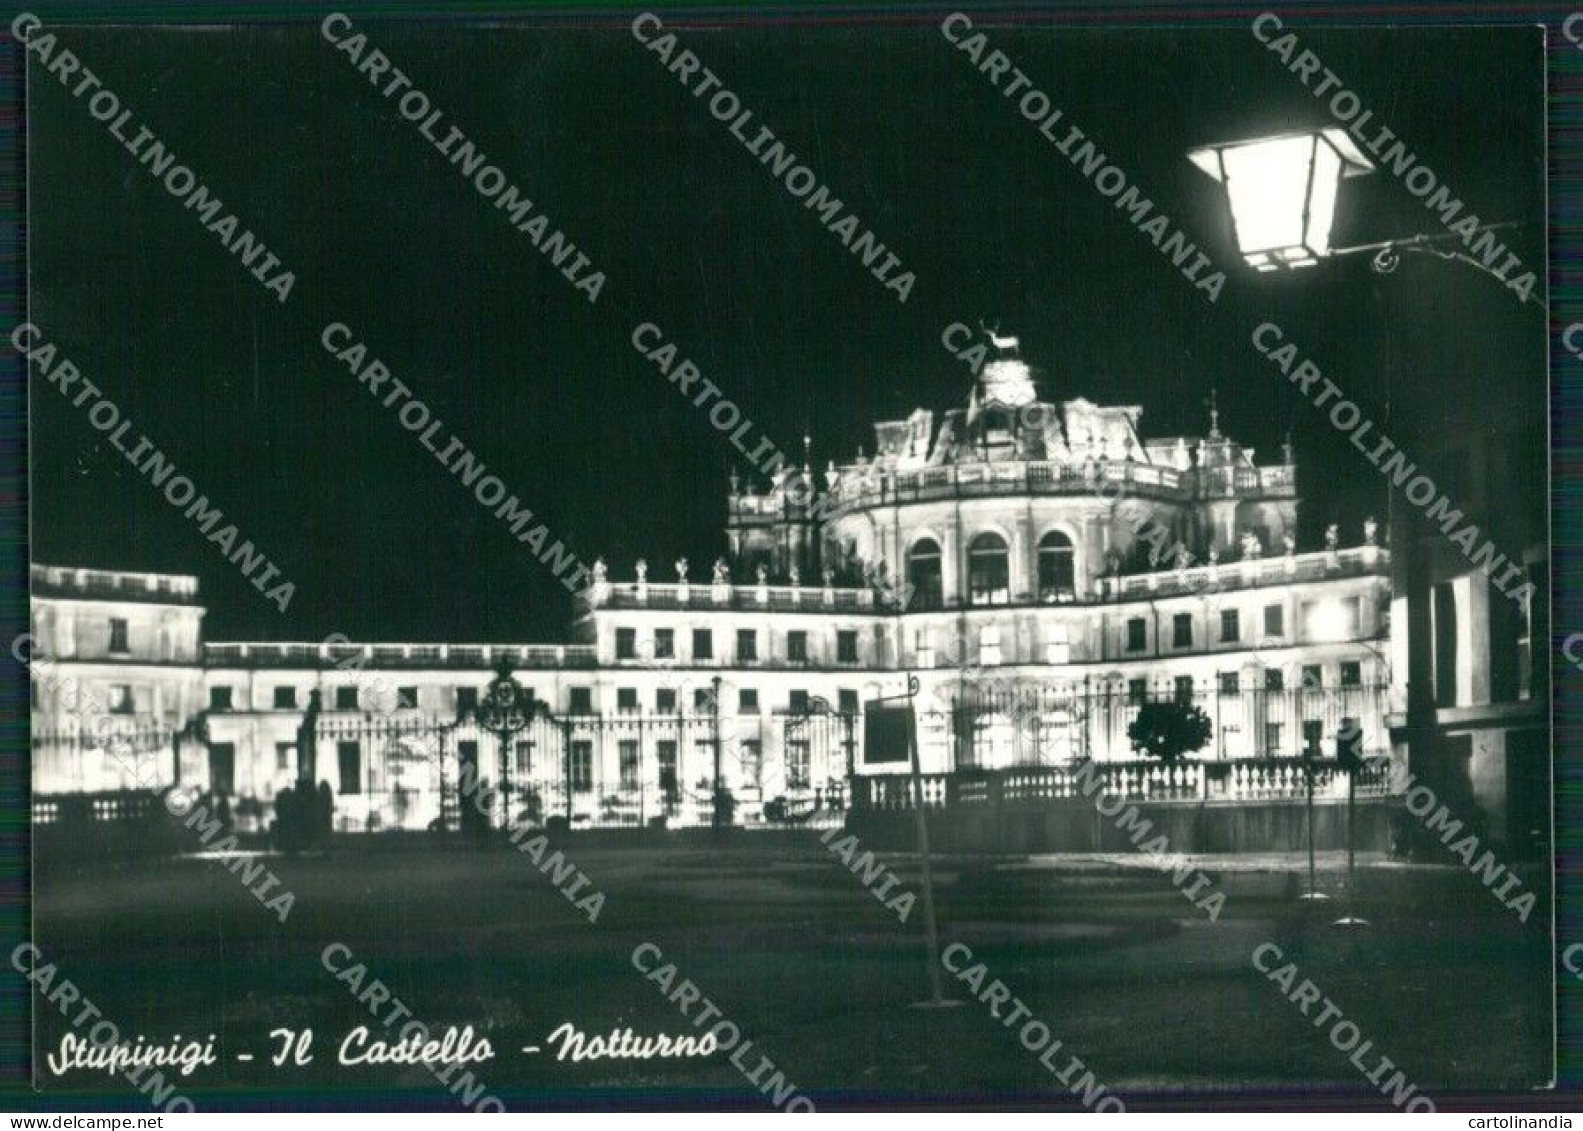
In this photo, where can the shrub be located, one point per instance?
(1168, 730)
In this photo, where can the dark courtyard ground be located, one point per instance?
(1154, 997)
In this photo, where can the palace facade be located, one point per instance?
(1042, 569)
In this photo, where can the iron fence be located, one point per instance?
(987, 728)
(127, 754)
(622, 770)
(409, 771)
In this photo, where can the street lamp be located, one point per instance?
(1283, 192)
(1283, 189)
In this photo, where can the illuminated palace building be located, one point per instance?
(1042, 569)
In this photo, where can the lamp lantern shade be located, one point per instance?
(1283, 192)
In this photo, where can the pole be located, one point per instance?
(1351, 918)
(1308, 773)
(715, 821)
(502, 736)
(566, 762)
(1313, 891)
(1352, 844)
(440, 734)
(930, 927)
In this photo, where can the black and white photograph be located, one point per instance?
(791, 559)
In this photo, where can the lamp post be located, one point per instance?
(1282, 190)
(717, 811)
(1349, 741)
(1309, 769)
(505, 710)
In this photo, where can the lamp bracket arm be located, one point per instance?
(1388, 253)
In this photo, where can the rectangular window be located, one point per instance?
(1509, 647)
(626, 643)
(222, 768)
(283, 755)
(1275, 620)
(1058, 647)
(797, 702)
(703, 644)
(1313, 677)
(346, 698)
(626, 699)
(1533, 618)
(797, 647)
(285, 698)
(665, 700)
(748, 701)
(118, 642)
(703, 700)
(1184, 689)
(1272, 739)
(747, 645)
(1228, 683)
(664, 643)
(846, 647)
(1182, 630)
(1137, 692)
(1274, 679)
(219, 698)
(1136, 634)
(1331, 620)
(1351, 673)
(704, 756)
(406, 698)
(665, 751)
(524, 765)
(580, 701)
(581, 770)
(466, 699)
(1230, 626)
(796, 763)
(923, 646)
(847, 701)
(349, 763)
(751, 759)
(627, 750)
(989, 645)
(1313, 733)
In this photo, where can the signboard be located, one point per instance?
(888, 732)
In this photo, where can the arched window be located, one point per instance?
(1057, 569)
(988, 571)
(923, 575)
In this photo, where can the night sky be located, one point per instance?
(693, 234)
